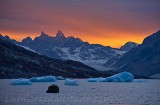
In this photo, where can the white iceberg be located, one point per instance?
(100, 79)
(120, 77)
(70, 82)
(44, 79)
(60, 78)
(21, 82)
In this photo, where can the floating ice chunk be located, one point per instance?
(21, 82)
(92, 79)
(120, 77)
(100, 79)
(60, 78)
(44, 79)
(70, 82)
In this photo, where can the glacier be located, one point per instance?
(44, 79)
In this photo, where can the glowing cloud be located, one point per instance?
(107, 22)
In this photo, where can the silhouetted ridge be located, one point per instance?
(60, 35)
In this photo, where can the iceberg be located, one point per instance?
(21, 82)
(100, 79)
(60, 78)
(70, 82)
(44, 79)
(120, 77)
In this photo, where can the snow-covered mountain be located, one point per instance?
(61, 47)
(143, 60)
(125, 48)
(128, 46)
(17, 62)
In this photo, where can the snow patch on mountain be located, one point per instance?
(119, 52)
(94, 60)
(156, 76)
(27, 48)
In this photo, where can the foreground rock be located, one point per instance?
(53, 89)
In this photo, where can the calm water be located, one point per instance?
(145, 93)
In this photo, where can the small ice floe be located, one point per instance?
(120, 77)
(21, 81)
(44, 79)
(70, 82)
(60, 78)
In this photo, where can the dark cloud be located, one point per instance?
(102, 18)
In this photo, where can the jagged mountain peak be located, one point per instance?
(128, 46)
(152, 38)
(60, 35)
(27, 39)
(7, 37)
(130, 42)
(43, 34)
(1, 36)
(71, 38)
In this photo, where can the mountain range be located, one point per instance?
(64, 48)
(142, 60)
(17, 62)
(139, 59)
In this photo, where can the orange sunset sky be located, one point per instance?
(106, 22)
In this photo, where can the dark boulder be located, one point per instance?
(53, 89)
